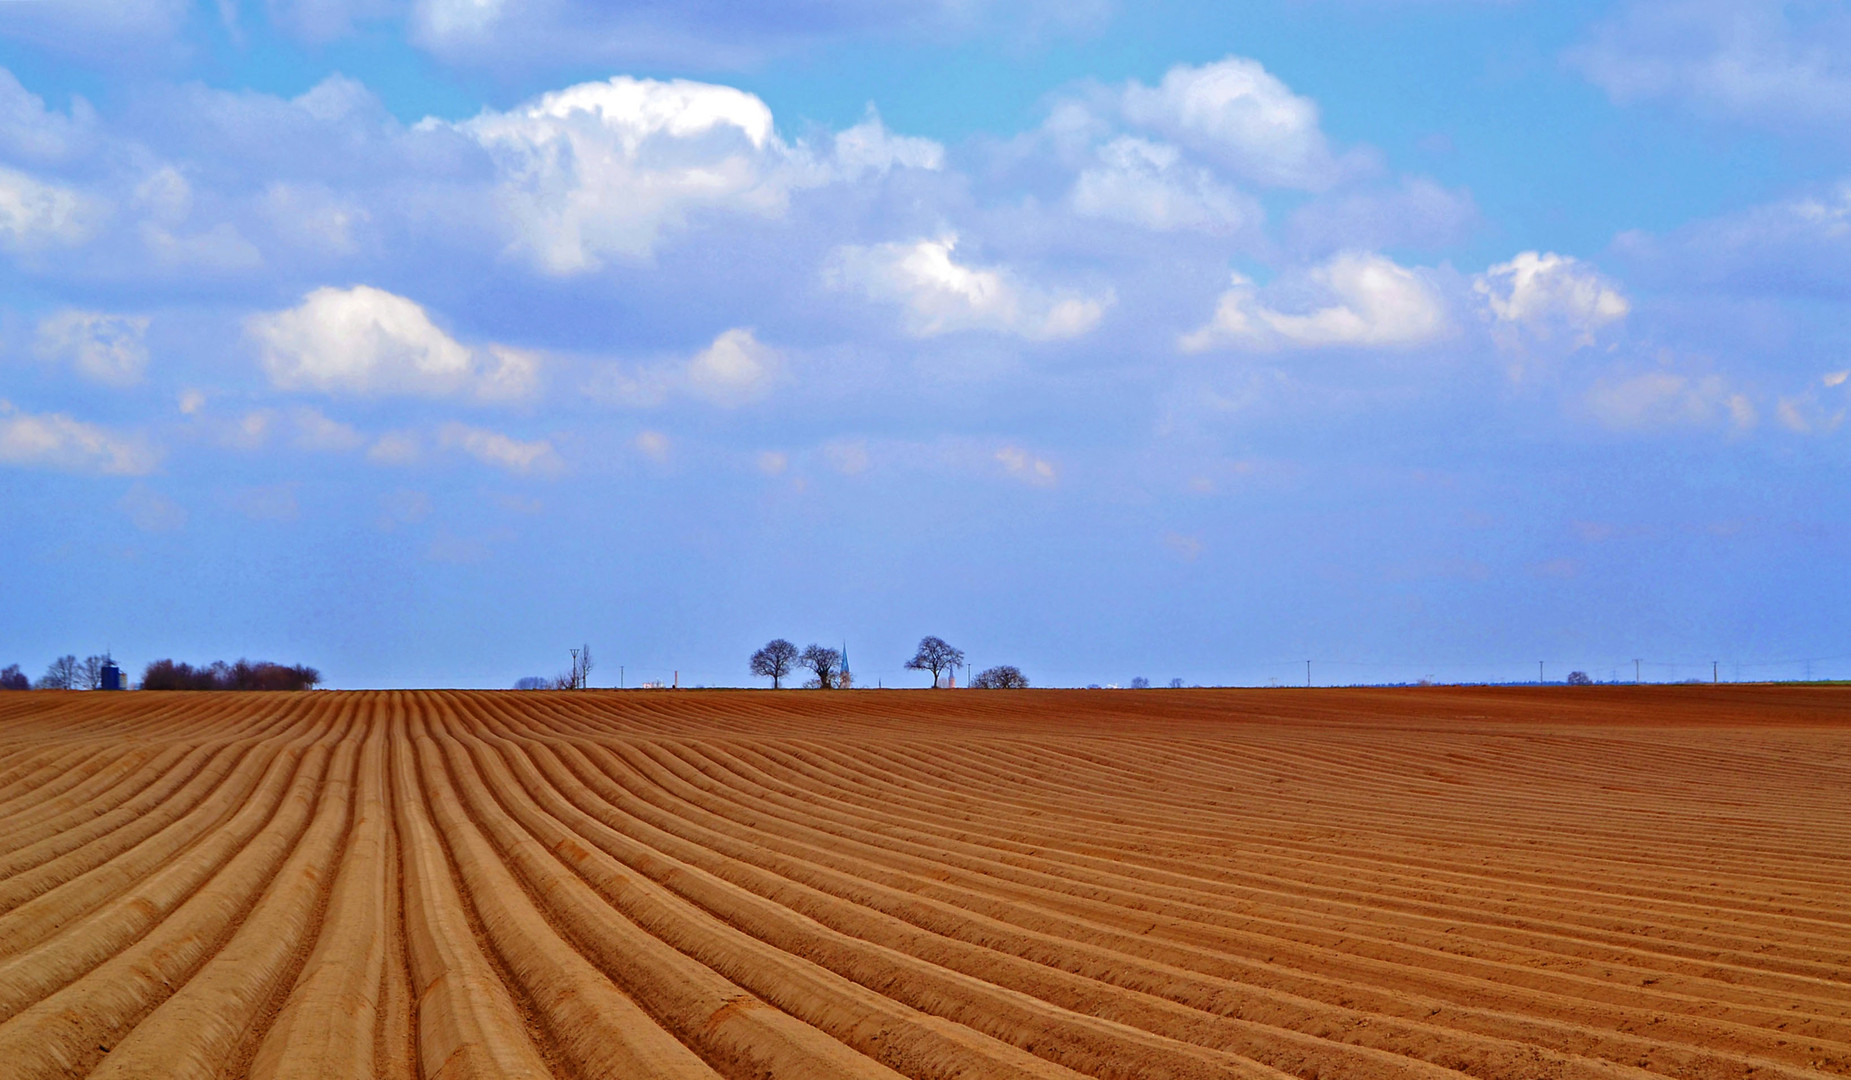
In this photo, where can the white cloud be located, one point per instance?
(1814, 409)
(1187, 548)
(737, 368)
(395, 448)
(1780, 65)
(1145, 183)
(641, 386)
(1543, 292)
(313, 217)
(326, 20)
(29, 130)
(56, 441)
(150, 511)
(1026, 467)
(317, 431)
(36, 215)
(448, 22)
(1237, 114)
(773, 462)
(221, 248)
(93, 26)
(869, 147)
(1664, 399)
(105, 349)
(510, 35)
(849, 457)
(1800, 245)
(652, 445)
(250, 431)
(1357, 299)
(1417, 213)
(502, 451)
(165, 195)
(604, 169)
(368, 341)
(940, 295)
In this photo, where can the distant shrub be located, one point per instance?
(1579, 678)
(532, 682)
(14, 679)
(243, 675)
(1140, 683)
(1001, 677)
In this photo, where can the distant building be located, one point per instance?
(112, 676)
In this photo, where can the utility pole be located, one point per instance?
(1539, 678)
(1307, 674)
(620, 676)
(575, 675)
(1712, 673)
(1635, 672)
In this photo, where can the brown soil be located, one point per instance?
(1572, 883)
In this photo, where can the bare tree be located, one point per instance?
(1140, 683)
(775, 661)
(936, 656)
(530, 682)
(576, 677)
(61, 675)
(14, 679)
(1176, 684)
(825, 662)
(90, 673)
(1002, 677)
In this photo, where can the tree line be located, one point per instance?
(64, 673)
(779, 659)
(69, 673)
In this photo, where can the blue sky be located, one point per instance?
(420, 340)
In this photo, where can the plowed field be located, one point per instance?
(1567, 883)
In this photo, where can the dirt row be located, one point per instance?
(1575, 884)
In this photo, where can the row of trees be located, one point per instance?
(65, 673)
(242, 675)
(779, 659)
(69, 673)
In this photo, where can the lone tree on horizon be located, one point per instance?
(935, 655)
(825, 662)
(775, 661)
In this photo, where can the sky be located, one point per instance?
(421, 341)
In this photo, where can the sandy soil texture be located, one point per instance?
(1563, 883)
